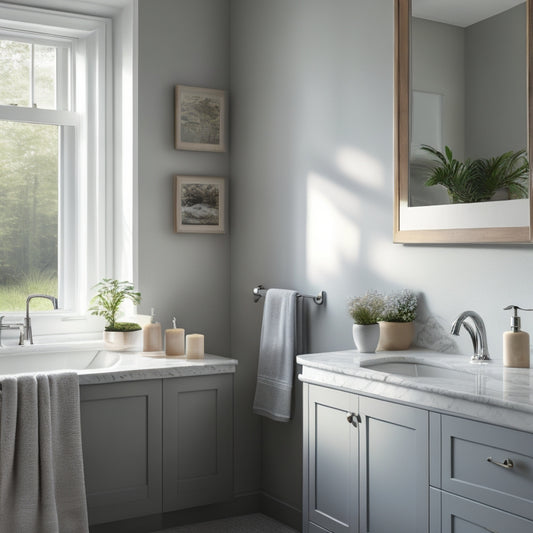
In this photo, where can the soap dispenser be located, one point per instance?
(152, 341)
(516, 342)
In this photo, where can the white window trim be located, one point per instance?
(110, 214)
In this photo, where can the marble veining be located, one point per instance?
(487, 392)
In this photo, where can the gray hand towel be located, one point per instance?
(42, 487)
(282, 337)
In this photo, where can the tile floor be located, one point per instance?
(251, 523)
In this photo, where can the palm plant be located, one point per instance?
(477, 180)
(507, 171)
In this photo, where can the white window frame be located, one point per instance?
(86, 233)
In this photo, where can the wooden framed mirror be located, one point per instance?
(456, 92)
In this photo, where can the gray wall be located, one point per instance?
(496, 84)
(183, 275)
(438, 66)
(310, 198)
(312, 93)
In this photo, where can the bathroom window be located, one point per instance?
(55, 164)
(34, 75)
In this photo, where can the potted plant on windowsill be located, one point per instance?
(365, 311)
(396, 324)
(111, 294)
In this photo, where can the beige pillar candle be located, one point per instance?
(195, 346)
(152, 341)
(175, 340)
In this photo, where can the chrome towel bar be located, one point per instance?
(260, 291)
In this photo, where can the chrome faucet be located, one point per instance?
(477, 333)
(28, 336)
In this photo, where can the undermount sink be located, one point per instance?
(414, 369)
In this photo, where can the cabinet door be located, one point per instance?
(121, 438)
(393, 460)
(331, 452)
(460, 515)
(197, 441)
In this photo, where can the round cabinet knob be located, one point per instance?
(353, 419)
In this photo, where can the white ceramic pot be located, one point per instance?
(124, 341)
(366, 337)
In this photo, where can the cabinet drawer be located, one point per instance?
(466, 470)
(460, 515)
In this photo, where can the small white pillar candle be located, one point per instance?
(195, 346)
(175, 340)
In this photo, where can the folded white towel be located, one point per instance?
(281, 339)
(42, 487)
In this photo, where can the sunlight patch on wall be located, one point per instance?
(385, 260)
(333, 236)
(358, 165)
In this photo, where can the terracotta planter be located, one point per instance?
(125, 341)
(395, 335)
(366, 337)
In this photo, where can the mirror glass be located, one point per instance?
(462, 123)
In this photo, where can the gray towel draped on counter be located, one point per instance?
(42, 487)
(282, 337)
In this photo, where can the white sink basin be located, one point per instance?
(414, 369)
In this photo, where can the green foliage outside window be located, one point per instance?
(28, 189)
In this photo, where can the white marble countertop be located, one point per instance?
(488, 392)
(133, 366)
(95, 365)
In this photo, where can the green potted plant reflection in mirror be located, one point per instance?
(479, 180)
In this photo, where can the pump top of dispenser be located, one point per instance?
(152, 316)
(515, 319)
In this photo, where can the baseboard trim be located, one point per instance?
(253, 502)
(241, 504)
(281, 511)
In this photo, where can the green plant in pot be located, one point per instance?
(396, 322)
(478, 180)
(107, 301)
(365, 311)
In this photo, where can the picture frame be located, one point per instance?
(200, 119)
(199, 204)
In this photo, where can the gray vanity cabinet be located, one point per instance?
(365, 464)
(197, 441)
(121, 439)
(157, 445)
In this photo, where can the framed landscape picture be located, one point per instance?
(200, 204)
(200, 119)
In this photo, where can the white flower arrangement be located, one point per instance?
(400, 306)
(366, 309)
